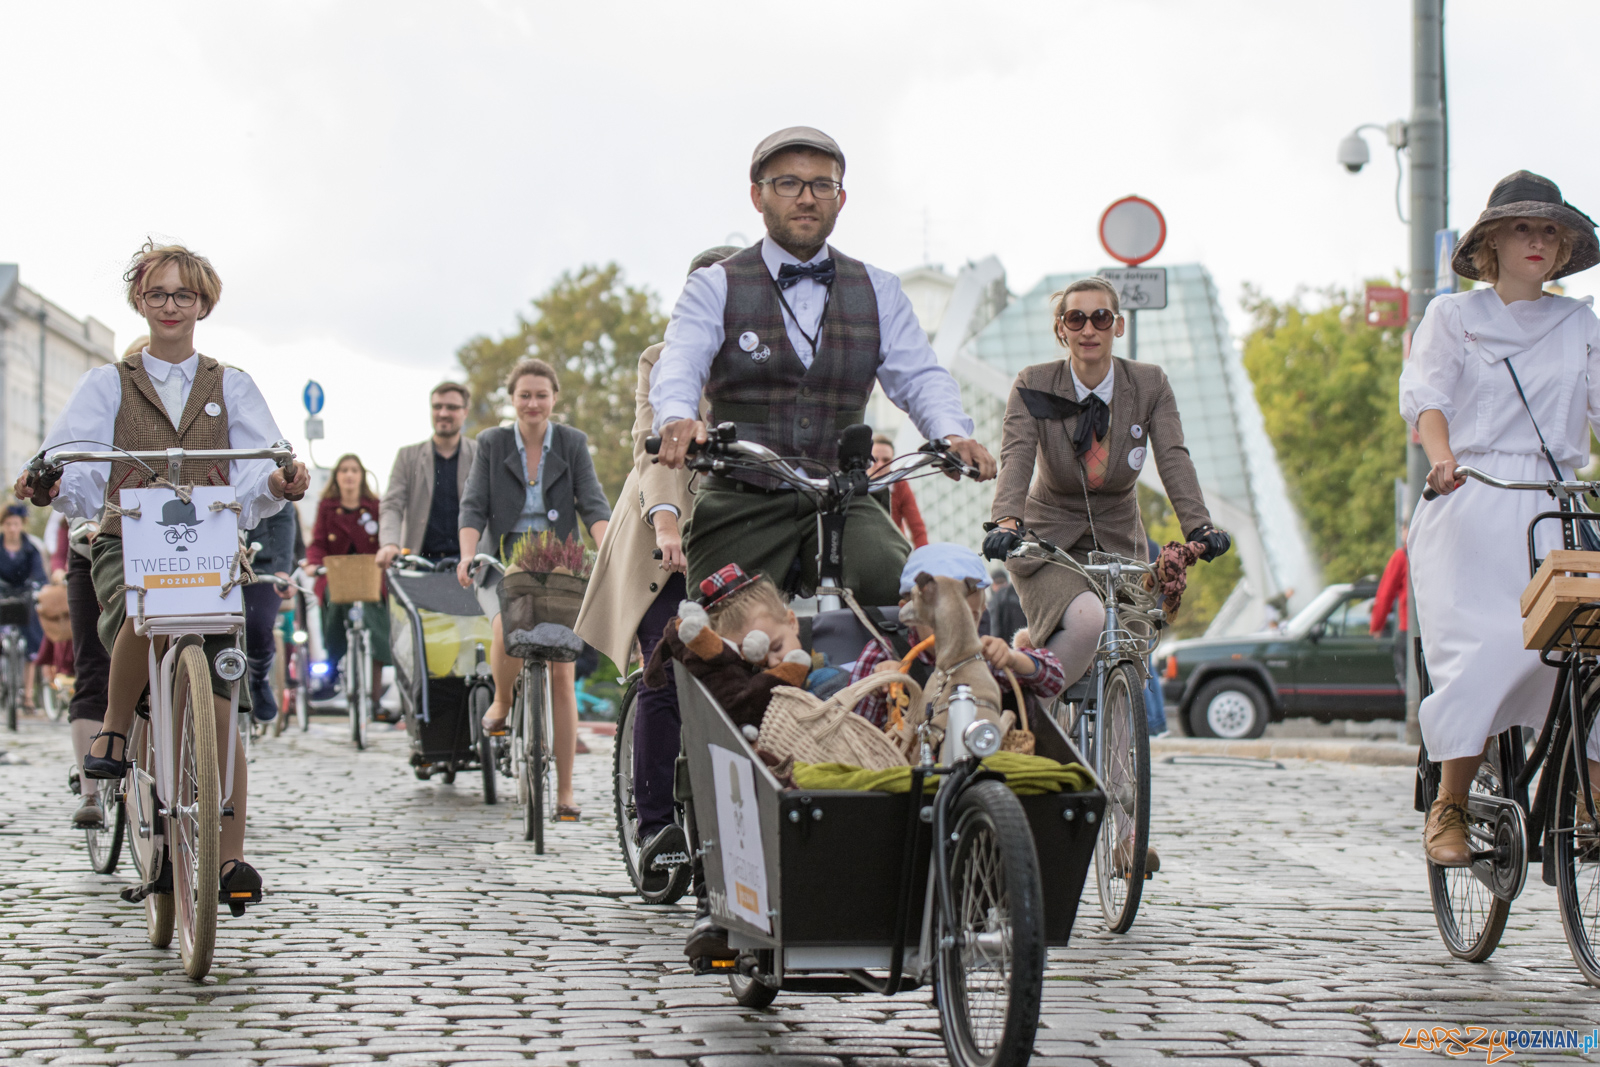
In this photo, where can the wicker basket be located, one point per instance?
(814, 731)
(527, 599)
(353, 579)
(1019, 738)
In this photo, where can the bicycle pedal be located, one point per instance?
(706, 965)
(666, 861)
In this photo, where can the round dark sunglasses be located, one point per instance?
(1102, 318)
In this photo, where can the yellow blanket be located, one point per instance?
(1028, 776)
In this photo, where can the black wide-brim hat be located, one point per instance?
(1528, 195)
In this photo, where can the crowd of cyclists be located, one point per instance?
(784, 340)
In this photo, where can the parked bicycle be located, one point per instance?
(1104, 713)
(178, 792)
(1471, 904)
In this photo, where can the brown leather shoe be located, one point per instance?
(1444, 835)
(1122, 856)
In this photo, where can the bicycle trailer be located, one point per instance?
(439, 635)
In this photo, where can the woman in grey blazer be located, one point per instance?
(535, 475)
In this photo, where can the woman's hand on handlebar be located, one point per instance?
(464, 572)
(1001, 541)
(1442, 476)
(294, 486)
(670, 542)
(675, 438)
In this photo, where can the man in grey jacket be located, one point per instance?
(422, 502)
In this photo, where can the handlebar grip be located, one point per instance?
(42, 479)
(1430, 493)
(656, 554)
(652, 445)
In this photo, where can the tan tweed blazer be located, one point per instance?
(627, 577)
(1041, 479)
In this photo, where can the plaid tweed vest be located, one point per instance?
(143, 425)
(767, 392)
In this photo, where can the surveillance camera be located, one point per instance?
(1353, 154)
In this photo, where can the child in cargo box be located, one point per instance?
(754, 605)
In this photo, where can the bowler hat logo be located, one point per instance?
(180, 519)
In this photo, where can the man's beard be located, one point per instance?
(779, 231)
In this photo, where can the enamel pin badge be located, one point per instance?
(1136, 458)
(1137, 431)
(213, 408)
(749, 341)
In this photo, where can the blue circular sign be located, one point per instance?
(313, 396)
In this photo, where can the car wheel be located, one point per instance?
(1230, 707)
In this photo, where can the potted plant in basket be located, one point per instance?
(545, 580)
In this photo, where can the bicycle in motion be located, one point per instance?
(1104, 714)
(175, 792)
(525, 753)
(1559, 828)
(15, 604)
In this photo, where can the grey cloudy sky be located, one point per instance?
(378, 181)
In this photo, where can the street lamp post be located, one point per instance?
(1424, 139)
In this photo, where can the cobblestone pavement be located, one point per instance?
(408, 923)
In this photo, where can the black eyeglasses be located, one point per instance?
(1101, 318)
(184, 298)
(449, 407)
(789, 185)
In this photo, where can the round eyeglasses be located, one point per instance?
(1101, 318)
(184, 298)
(790, 186)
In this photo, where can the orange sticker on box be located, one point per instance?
(747, 896)
(182, 581)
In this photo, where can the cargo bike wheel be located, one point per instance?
(658, 890)
(989, 966)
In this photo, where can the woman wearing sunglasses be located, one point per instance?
(1077, 433)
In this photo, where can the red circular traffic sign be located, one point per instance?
(1132, 230)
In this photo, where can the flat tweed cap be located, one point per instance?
(794, 137)
(1528, 195)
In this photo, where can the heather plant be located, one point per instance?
(541, 552)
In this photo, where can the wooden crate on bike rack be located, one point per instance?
(1562, 582)
(353, 579)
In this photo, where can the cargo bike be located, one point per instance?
(439, 641)
(958, 882)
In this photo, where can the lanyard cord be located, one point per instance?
(1524, 398)
(827, 300)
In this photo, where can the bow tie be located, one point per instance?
(820, 272)
(1095, 423)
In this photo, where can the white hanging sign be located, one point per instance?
(744, 867)
(181, 555)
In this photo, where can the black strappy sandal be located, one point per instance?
(240, 884)
(104, 767)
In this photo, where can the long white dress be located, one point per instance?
(1469, 549)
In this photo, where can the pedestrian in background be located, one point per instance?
(898, 500)
(1005, 608)
(1392, 593)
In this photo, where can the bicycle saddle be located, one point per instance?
(546, 641)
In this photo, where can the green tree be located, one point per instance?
(1328, 386)
(591, 326)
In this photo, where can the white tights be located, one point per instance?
(1079, 636)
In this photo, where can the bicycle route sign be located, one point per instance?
(182, 555)
(1138, 288)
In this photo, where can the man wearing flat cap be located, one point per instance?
(786, 340)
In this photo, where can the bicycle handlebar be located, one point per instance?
(1553, 487)
(43, 473)
(723, 450)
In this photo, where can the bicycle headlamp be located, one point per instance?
(982, 738)
(230, 664)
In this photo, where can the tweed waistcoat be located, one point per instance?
(143, 425)
(772, 397)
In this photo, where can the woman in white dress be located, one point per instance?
(1468, 547)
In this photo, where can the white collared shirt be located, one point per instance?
(1103, 390)
(908, 370)
(88, 423)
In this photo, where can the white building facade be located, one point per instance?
(44, 350)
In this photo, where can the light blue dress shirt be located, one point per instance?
(533, 515)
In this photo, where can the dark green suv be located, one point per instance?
(1324, 664)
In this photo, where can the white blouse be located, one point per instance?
(1455, 367)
